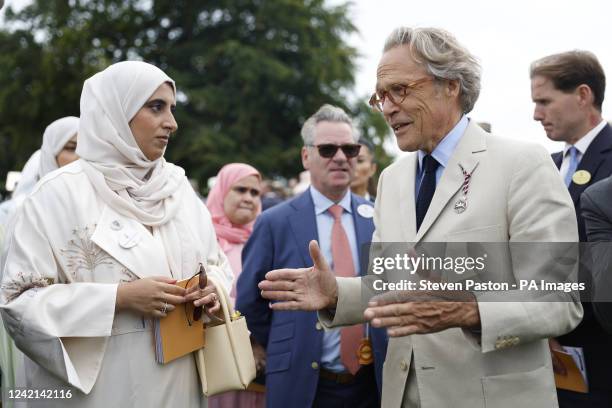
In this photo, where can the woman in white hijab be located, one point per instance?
(59, 145)
(98, 246)
(57, 150)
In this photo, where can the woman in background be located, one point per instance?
(234, 202)
(365, 170)
(59, 145)
(57, 150)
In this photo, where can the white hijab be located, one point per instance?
(125, 179)
(29, 176)
(56, 135)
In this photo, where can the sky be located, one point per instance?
(505, 36)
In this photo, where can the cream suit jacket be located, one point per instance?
(515, 195)
(67, 253)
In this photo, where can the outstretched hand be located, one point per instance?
(313, 288)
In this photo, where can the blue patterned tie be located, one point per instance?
(573, 165)
(427, 188)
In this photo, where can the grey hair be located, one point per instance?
(443, 58)
(326, 113)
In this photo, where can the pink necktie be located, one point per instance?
(350, 337)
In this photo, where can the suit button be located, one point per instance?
(403, 365)
(315, 365)
(318, 326)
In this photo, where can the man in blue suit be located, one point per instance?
(568, 91)
(307, 366)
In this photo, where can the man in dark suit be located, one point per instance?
(568, 91)
(307, 366)
(597, 213)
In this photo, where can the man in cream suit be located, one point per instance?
(460, 184)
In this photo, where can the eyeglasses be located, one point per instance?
(397, 93)
(328, 150)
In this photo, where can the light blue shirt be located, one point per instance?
(330, 356)
(442, 152)
(581, 146)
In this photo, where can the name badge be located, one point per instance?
(366, 211)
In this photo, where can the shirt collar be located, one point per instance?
(583, 144)
(322, 203)
(445, 148)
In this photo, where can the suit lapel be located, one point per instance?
(363, 230)
(407, 198)
(557, 158)
(303, 224)
(595, 155)
(473, 141)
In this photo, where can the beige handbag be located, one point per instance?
(226, 363)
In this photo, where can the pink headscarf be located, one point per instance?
(229, 234)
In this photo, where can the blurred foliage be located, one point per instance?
(248, 73)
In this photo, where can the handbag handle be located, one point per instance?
(226, 306)
(223, 299)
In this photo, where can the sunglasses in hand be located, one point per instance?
(192, 313)
(328, 150)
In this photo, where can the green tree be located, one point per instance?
(248, 72)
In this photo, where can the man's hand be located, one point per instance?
(558, 366)
(419, 312)
(312, 288)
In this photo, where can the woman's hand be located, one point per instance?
(259, 353)
(151, 297)
(207, 297)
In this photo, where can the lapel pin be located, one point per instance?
(366, 211)
(461, 203)
(129, 239)
(581, 177)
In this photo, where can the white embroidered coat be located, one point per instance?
(67, 254)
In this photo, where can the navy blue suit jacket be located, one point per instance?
(293, 339)
(589, 334)
(597, 160)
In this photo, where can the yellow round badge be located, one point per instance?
(581, 177)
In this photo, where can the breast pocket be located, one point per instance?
(488, 233)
